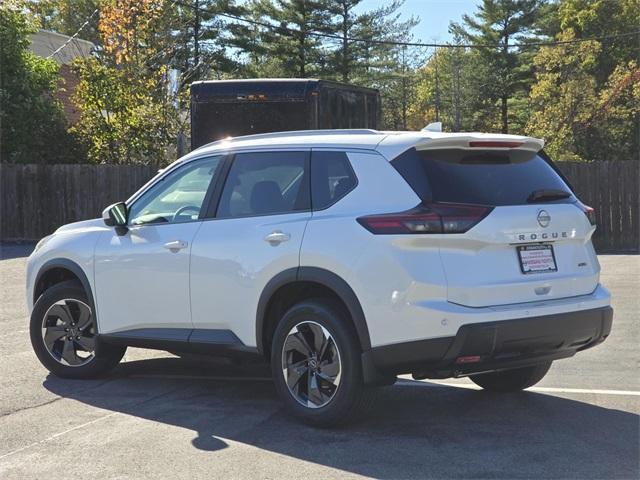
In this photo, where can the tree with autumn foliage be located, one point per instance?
(586, 96)
(582, 97)
(128, 113)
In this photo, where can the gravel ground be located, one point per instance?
(157, 416)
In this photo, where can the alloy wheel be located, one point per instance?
(68, 332)
(311, 364)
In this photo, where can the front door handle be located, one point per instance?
(276, 237)
(176, 245)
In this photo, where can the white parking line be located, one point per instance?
(437, 383)
(405, 381)
(201, 377)
(52, 437)
(585, 390)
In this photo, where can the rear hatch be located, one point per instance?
(512, 230)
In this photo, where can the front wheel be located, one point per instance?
(512, 380)
(64, 334)
(315, 359)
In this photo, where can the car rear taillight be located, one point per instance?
(590, 213)
(427, 218)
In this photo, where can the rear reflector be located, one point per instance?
(468, 359)
(494, 144)
(427, 218)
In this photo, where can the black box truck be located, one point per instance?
(229, 108)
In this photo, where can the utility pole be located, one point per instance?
(456, 89)
(345, 44)
(435, 57)
(504, 97)
(404, 88)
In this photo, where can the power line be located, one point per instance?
(72, 37)
(292, 31)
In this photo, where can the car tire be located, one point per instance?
(64, 334)
(316, 365)
(512, 380)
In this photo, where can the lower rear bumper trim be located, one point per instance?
(500, 345)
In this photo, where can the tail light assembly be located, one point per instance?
(427, 219)
(589, 212)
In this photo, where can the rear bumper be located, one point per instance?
(495, 345)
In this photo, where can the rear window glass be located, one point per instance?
(482, 178)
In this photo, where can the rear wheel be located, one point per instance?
(64, 334)
(512, 380)
(315, 360)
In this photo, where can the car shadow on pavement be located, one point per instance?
(415, 429)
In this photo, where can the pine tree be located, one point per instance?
(198, 38)
(502, 22)
(355, 60)
(299, 52)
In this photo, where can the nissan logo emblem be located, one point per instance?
(544, 219)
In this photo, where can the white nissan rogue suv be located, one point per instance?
(342, 257)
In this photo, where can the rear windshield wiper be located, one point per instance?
(547, 195)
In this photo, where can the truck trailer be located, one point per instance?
(230, 108)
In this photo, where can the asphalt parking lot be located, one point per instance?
(158, 416)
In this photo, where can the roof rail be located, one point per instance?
(294, 133)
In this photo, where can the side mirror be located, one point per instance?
(116, 215)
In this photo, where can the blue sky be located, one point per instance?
(434, 15)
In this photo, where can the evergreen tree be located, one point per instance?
(358, 61)
(199, 38)
(299, 52)
(345, 20)
(501, 22)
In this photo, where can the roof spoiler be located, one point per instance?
(484, 142)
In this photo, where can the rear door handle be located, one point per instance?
(176, 245)
(276, 238)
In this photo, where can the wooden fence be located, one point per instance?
(36, 199)
(613, 190)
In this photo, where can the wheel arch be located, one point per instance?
(58, 270)
(326, 281)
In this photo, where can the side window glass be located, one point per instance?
(331, 178)
(178, 197)
(266, 183)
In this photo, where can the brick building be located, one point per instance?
(44, 43)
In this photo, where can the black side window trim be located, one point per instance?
(349, 167)
(214, 204)
(555, 168)
(213, 196)
(413, 174)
